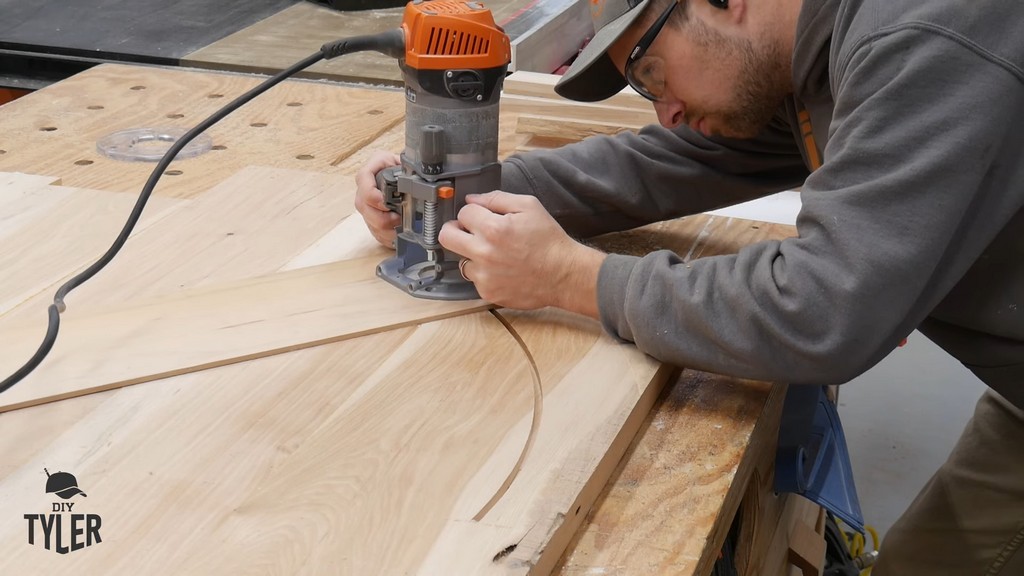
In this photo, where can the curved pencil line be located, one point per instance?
(538, 405)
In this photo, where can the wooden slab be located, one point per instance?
(297, 125)
(243, 469)
(50, 232)
(596, 395)
(22, 199)
(251, 224)
(365, 456)
(212, 326)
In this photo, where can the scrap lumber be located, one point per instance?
(567, 129)
(579, 111)
(547, 120)
(539, 85)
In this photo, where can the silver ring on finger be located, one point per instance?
(462, 269)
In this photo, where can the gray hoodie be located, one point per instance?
(914, 220)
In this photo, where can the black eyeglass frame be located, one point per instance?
(641, 48)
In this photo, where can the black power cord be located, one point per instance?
(391, 43)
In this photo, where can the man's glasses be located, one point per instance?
(646, 74)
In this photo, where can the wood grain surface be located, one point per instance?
(489, 444)
(340, 457)
(298, 125)
(50, 232)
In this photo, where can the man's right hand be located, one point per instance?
(370, 200)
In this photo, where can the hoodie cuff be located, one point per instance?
(612, 289)
(514, 178)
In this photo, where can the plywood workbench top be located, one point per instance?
(244, 468)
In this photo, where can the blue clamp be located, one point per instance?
(812, 458)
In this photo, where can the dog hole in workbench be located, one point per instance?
(174, 172)
(258, 124)
(175, 116)
(94, 107)
(215, 96)
(47, 128)
(374, 112)
(138, 88)
(83, 162)
(219, 147)
(305, 157)
(294, 104)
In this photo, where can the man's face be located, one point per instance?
(714, 83)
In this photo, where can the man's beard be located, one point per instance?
(762, 82)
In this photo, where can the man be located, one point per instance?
(899, 119)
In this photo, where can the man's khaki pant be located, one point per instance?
(969, 518)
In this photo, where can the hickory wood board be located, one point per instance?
(206, 327)
(367, 456)
(517, 464)
(346, 457)
(250, 224)
(298, 125)
(47, 233)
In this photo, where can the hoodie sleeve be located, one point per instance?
(610, 183)
(912, 189)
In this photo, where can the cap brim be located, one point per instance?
(593, 76)
(69, 492)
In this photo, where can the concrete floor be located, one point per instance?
(902, 417)
(901, 420)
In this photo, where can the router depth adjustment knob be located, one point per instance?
(432, 149)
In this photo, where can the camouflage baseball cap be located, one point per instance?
(593, 76)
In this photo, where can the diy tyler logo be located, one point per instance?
(63, 533)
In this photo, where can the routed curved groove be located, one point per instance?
(538, 405)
